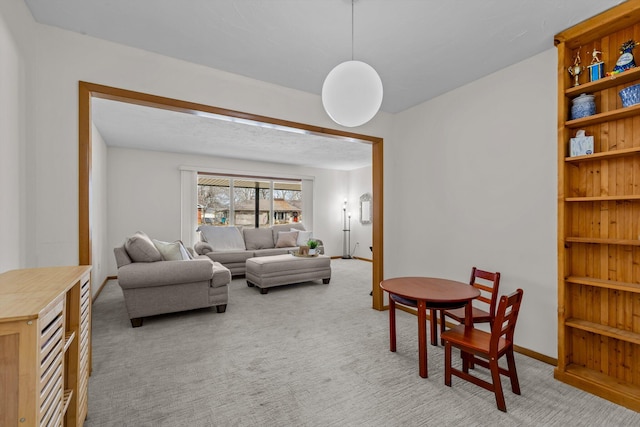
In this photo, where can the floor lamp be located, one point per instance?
(346, 230)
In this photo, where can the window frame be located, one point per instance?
(189, 197)
(271, 182)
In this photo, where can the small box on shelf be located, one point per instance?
(581, 145)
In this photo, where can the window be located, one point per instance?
(287, 202)
(248, 202)
(213, 200)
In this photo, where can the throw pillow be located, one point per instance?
(186, 254)
(172, 251)
(141, 249)
(285, 227)
(222, 238)
(287, 239)
(258, 238)
(303, 237)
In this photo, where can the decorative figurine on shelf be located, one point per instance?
(596, 69)
(625, 61)
(576, 69)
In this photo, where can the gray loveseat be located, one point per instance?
(232, 247)
(169, 279)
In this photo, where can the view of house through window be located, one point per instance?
(248, 202)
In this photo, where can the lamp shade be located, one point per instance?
(352, 93)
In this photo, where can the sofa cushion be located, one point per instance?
(286, 239)
(258, 238)
(141, 249)
(222, 238)
(285, 227)
(171, 251)
(230, 257)
(303, 237)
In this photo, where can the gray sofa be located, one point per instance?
(157, 281)
(232, 247)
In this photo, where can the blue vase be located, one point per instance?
(583, 106)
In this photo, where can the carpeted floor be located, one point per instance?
(303, 355)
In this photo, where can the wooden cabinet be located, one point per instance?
(45, 332)
(599, 216)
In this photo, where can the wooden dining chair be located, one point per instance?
(485, 349)
(488, 284)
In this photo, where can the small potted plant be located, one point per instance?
(313, 244)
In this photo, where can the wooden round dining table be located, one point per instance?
(430, 293)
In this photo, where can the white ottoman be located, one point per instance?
(269, 271)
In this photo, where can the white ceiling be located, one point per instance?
(146, 128)
(420, 48)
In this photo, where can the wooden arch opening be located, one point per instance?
(89, 90)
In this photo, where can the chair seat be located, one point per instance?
(404, 301)
(472, 339)
(479, 315)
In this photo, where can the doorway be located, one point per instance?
(90, 90)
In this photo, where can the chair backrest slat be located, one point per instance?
(489, 290)
(482, 287)
(484, 299)
(504, 324)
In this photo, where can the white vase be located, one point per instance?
(312, 251)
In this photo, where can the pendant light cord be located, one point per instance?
(352, 1)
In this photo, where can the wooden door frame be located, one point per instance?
(88, 90)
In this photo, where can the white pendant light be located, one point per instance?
(352, 91)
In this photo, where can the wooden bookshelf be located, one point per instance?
(599, 217)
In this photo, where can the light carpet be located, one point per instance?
(304, 355)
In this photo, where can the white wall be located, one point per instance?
(360, 182)
(475, 173)
(15, 46)
(144, 194)
(99, 220)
